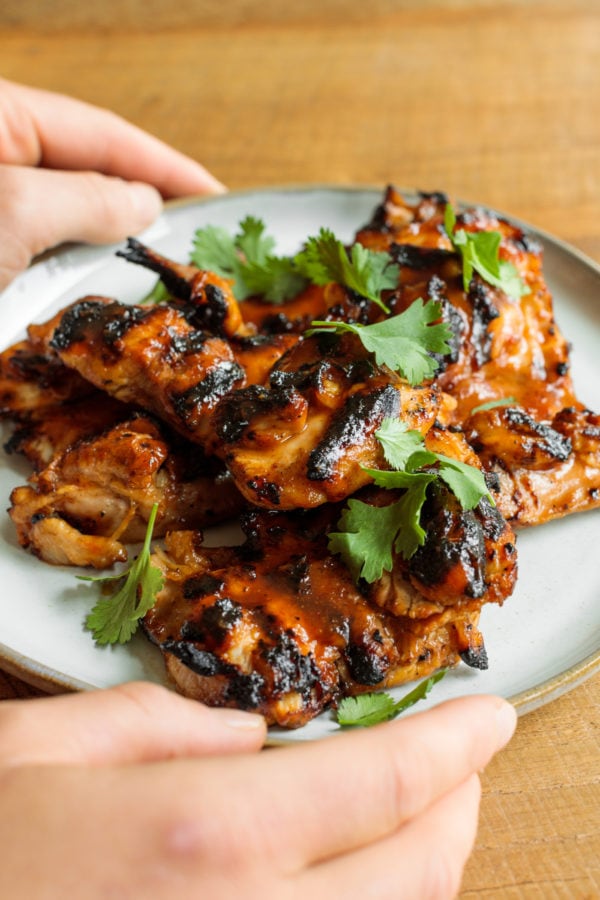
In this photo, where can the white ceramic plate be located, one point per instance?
(544, 641)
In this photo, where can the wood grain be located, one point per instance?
(494, 103)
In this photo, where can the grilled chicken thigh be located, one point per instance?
(544, 447)
(32, 379)
(150, 357)
(43, 434)
(279, 626)
(97, 496)
(305, 438)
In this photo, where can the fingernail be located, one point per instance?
(243, 721)
(146, 202)
(213, 185)
(506, 722)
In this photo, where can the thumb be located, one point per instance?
(135, 722)
(42, 208)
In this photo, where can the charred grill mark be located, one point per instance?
(201, 585)
(452, 318)
(237, 412)
(291, 669)
(476, 657)
(94, 317)
(141, 255)
(265, 490)
(193, 342)
(246, 691)
(437, 198)
(214, 623)
(365, 667)
(212, 314)
(527, 242)
(436, 290)
(203, 662)
(538, 436)
(359, 418)
(454, 541)
(309, 375)
(419, 258)
(277, 323)
(484, 312)
(492, 521)
(215, 384)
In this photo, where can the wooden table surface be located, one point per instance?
(495, 103)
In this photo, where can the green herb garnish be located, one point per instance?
(368, 535)
(115, 619)
(479, 252)
(493, 404)
(404, 342)
(373, 708)
(248, 259)
(159, 294)
(325, 260)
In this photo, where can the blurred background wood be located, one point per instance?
(158, 15)
(497, 103)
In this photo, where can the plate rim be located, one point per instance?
(52, 680)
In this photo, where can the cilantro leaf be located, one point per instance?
(373, 708)
(493, 404)
(480, 253)
(370, 535)
(466, 482)
(277, 280)
(252, 241)
(247, 259)
(404, 342)
(114, 619)
(398, 442)
(215, 249)
(366, 538)
(325, 260)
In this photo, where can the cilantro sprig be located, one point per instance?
(479, 253)
(248, 259)
(368, 272)
(404, 343)
(114, 619)
(374, 708)
(369, 535)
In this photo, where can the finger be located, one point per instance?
(357, 788)
(422, 861)
(136, 722)
(42, 208)
(43, 128)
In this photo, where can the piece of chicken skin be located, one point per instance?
(97, 496)
(149, 357)
(279, 627)
(304, 439)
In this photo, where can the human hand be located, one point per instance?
(72, 172)
(120, 794)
